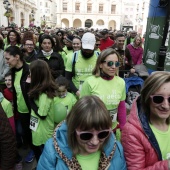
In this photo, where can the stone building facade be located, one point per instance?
(89, 13)
(111, 14)
(22, 12)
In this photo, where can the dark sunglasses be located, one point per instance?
(111, 63)
(85, 135)
(158, 99)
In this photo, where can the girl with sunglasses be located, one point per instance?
(84, 140)
(145, 137)
(108, 86)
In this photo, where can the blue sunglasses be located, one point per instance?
(111, 63)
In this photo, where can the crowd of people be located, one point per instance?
(62, 95)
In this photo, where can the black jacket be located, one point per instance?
(31, 57)
(55, 63)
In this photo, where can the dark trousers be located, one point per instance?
(26, 131)
(19, 132)
(38, 151)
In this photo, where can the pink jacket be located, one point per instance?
(139, 153)
(136, 53)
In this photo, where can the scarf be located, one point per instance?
(106, 76)
(46, 54)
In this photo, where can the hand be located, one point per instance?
(28, 80)
(78, 93)
(132, 70)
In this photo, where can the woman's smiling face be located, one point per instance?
(110, 70)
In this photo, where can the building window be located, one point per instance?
(89, 7)
(46, 4)
(77, 7)
(126, 16)
(142, 16)
(100, 8)
(113, 9)
(137, 6)
(40, 3)
(64, 7)
(143, 6)
(137, 16)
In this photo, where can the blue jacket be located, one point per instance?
(50, 159)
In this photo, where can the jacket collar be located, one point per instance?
(41, 55)
(60, 141)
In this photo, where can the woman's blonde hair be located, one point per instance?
(138, 36)
(88, 113)
(151, 85)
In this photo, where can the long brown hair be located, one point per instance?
(138, 36)
(41, 80)
(151, 85)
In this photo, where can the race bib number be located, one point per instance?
(80, 86)
(33, 123)
(113, 115)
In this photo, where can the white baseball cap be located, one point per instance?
(88, 41)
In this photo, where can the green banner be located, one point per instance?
(153, 41)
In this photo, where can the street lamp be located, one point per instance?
(32, 14)
(44, 17)
(43, 22)
(7, 7)
(32, 18)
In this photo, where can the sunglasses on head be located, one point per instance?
(158, 99)
(85, 135)
(111, 63)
